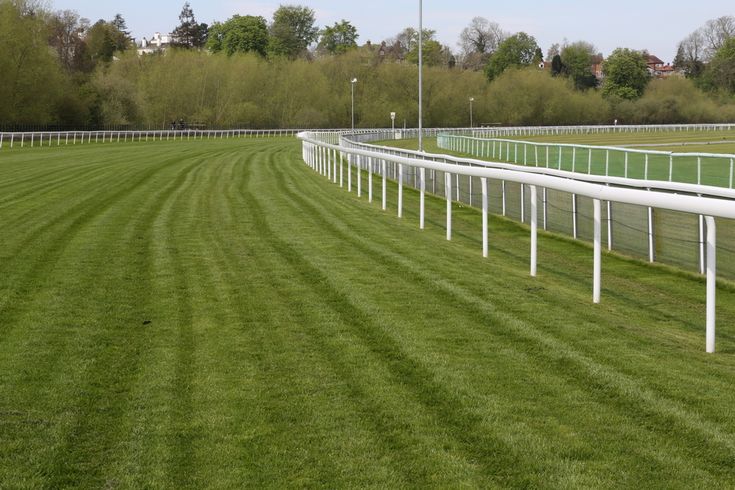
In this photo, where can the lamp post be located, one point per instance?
(393, 123)
(421, 75)
(352, 84)
(472, 99)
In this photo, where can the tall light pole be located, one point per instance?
(421, 75)
(472, 99)
(352, 84)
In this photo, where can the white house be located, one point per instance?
(156, 44)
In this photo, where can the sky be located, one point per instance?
(657, 26)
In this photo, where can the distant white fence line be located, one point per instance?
(63, 138)
(32, 139)
(329, 153)
(611, 160)
(499, 132)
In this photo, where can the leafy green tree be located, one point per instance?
(478, 41)
(32, 81)
(101, 42)
(339, 38)
(122, 36)
(557, 67)
(408, 39)
(690, 55)
(517, 50)
(577, 64)
(434, 54)
(720, 72)
(104, 39)
(538, 56)
(66, 33)
(292, 31)
(531, 97)
(239, 34)
(626, 74)
(189, 34)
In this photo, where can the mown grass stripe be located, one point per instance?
(301, 337)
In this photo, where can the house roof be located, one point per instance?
(654, 60)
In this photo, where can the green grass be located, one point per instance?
(214, 314)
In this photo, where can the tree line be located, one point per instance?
(60, 69)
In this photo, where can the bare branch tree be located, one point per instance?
(479, 40)
(481, 36)
(715, 32)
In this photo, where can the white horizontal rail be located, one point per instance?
(667, 186)
(487, 147)
(318, 154)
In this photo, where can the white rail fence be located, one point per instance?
(657, 235)
(42, 139)
(64, 138)
(33, 139)
(715, 169)
(500, 132)
(341, 159)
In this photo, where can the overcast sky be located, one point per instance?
(654, 25)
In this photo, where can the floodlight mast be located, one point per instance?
(421, 75)
(472, 99)
(352, 84)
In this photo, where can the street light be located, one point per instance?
(472, 99)
(393, 122)
(421, 75)
(352, 84)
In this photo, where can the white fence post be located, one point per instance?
(400, 190)
(422, 198)
(702, 250)
(574, 216)
(534, 230)
(503, 197)
(597, 273)
(384, 184)
(711, 282)
(609, 226)
(483, 183)
(448, 195)
(370, 178)
(359, 175)
(651, 237)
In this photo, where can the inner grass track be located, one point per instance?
(215, 314)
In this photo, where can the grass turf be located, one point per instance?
(215, 314)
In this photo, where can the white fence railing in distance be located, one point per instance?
(12, 140)
(64, 138)
(712, 169)
(330, 160)
(60, 138)
(657, 235)
(506, 132)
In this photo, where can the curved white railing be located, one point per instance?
(328, 152)
(35, 139)
(648, 164)
(497, 132)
